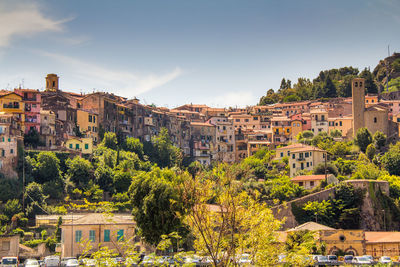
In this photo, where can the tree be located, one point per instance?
(32, 138)
(330, 168)
(303, 88)
(363, 138)
(47, 167)
(369, 83)
(335, 133)
(35, 199)
(12, 207)
(79, 171)
(104, 176)
(322, 212)
(122, 181)
(379, 139)
(134, 145)
(156, 202)
(371, 151)
(235, 222)
(330, 88)
(391, 160)
(163, 152)
(110, 140)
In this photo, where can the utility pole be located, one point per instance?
(326, 174)
(23, 179)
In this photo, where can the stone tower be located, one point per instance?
(52, 82)
(358, 92)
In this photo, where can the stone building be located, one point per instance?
(225, 139)
(32, 100)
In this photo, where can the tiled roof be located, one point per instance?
(311, 226)
(382, 237)
(100, 218)
(308, 178)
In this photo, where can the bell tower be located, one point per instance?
(358, 99)
(52, 82)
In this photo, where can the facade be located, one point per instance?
(225, 139)
(281, 130)
(32, 100)
(305, 158)
(319, 121)
(48, 128)
(11, 103)
(9, 246)
(343, 124)
(10, 136)
(82, 145)
(202, 142)
(88, 124)
(97, 228)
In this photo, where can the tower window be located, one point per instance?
(355, 84)
(54, 84)
(360, 84)
(375, 120)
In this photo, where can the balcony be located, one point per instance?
(301, 159)
(319, 123)
(33, 99)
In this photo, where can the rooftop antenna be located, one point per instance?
(23, 86)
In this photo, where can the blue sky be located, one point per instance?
(216, 52)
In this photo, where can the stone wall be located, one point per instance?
(284, 212)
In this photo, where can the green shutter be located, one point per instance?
(92, 235)
(120, 235)
(70, 146)
(77, 146)
(106, 235)
(78, 236)
(86, 146)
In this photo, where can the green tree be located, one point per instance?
(79, 171)
(134, 145)
(335, 133)
(163, 152)
(370, 85)
(47, 167)
(371, 151)
(32, 138)
(330, 168)
(303, 88)
(322, 212)
(379, 139)
(12, 207)
(363, 138)
(391, 160)
(330, 88)
(156, 202)
(104, 176)
(110, 140)
(122, 181)
(35, 199)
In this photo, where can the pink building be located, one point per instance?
(32, 100)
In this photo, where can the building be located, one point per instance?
(343, 124)
(48, 128)
(319, 121)
(311, 181)
(9, 246)
(225, 139)
(99, 230)
(281, 130)
(82, 145)
(32, 100)
(382, 244)
(11, 103)
(202, 141)
(52, 82)
(88, 124)
(10, 137)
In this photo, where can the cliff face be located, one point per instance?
(389, 66)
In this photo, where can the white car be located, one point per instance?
(51, 261)
(360, 260)
(385, 259)
(9, 262)
(72, 263)
(31, 263)
(244, 259)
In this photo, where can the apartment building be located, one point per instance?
(319, 121)
(305, 158)
(225, 139)
(281, 130)
(32, 101)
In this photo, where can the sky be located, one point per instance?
(223, 53)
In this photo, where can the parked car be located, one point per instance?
(371, 259)
(9, 262)
(320, 260)
(89, 262)
(31, 263)
(51, 261)
(64, 260)
(332, 259)
(192, 260)
(244, 259)
(148, 260)
(348, 258)
(361, 260)
(385, 260)
(72, 263)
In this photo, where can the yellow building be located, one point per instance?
(11, 103)
(312, 181)
(100, 230)
(88, 124)
(84, 145)
(297, 127)
(343, 124)
(305, 158)
(382, 244)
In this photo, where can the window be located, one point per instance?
(237, 120)
(120, 235)
(375, 120)
(70, 146)
(294, 165)
(78, 236)
(86, 146)
(90, 118)
(300, 183)
(12, 151)
(306, 154)
(76, 146)
(312, 183)
(308, 164)
(281, 154)
(92, 236)
(9, 139)
(106, 235)
(5, 245)
(293, 156)
(340, 123)
(94, 119)
(255, 118)
(3, 153)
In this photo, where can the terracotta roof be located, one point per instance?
(311, 226)
(382, 237)
(293, 146)
(307, 148)
(201, 124)
(280, 119)
(100, 218)
(308, 178)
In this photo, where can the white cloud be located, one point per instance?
(125, 83)
(24, 20)
(233, 99)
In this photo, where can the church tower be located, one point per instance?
(52, 82)
(358, 93)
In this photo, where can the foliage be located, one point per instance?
(35, 199)
(104, 176)
(367, 171)
(122, 181)
(162, 151)
(300, 244)
(134, 145)
(222, 230)
(339, 149)
(79, 171)
(46, 167)
(391, 160)
(156, 201)
(32, 138)
(371, 151)
(9, 188)
(345, 167)
(363, 138)
(110, 140)
(330, 168)
(12, 207)
(335, 133)
(379, 139)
